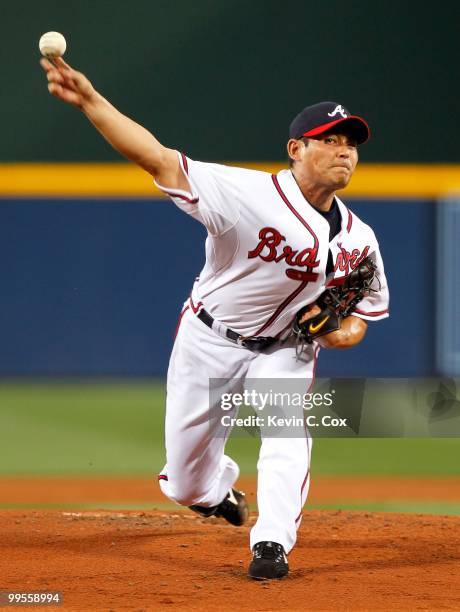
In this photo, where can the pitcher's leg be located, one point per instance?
(197, 471)
(282, 489)
(284, 462)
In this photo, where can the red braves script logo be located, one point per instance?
(270, 239)
(346, 260)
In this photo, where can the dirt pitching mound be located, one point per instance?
(163, 561)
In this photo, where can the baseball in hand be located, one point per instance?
(52, 44)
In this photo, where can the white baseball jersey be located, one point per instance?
(267, 248)
(266, 256)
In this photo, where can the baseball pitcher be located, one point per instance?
(289, 270)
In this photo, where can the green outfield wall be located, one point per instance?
(222, 79)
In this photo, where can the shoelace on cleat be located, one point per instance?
(269, 550)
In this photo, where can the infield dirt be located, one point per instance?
(103, 560)
(141, 491)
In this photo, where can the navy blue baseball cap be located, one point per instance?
(319, 118)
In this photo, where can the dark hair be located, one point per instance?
(305, 141)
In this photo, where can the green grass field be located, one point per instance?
(112, 427)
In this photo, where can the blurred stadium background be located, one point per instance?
(96, 263)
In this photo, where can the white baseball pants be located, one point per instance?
(197, 470)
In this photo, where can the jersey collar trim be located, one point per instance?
(347, 217)
(289, 184)
(291, 207)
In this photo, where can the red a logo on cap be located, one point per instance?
(338, 109)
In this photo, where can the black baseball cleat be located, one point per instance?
(233, 508)
(268, 561)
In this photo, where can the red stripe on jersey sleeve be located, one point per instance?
(376, 313)
(184, 162)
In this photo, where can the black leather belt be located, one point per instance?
(254, 343)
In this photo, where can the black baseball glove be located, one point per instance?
(336, 303)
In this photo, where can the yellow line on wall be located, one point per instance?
(127, 180)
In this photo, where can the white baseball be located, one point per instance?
(52, 44)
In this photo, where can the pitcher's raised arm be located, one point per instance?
(125, 135)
